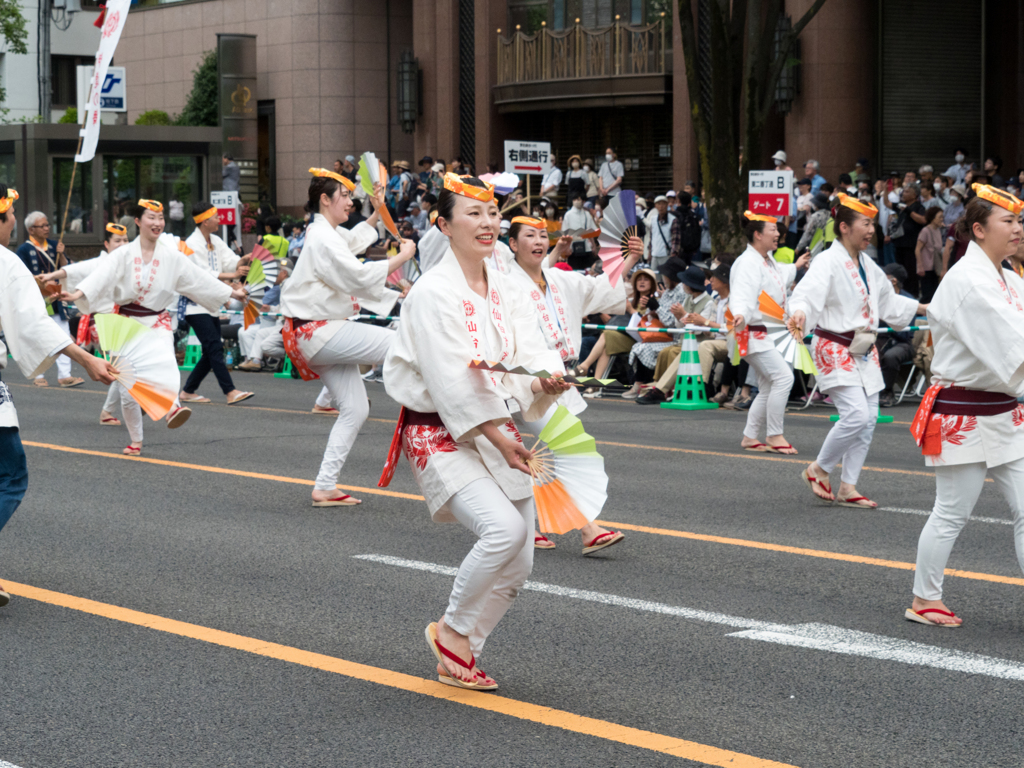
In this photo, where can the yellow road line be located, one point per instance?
(824, 554)
(521, 710)
(626, 526)
(219, 470)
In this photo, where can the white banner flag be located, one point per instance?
(113, 22)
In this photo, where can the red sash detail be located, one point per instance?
(292, 348)
(82, 337)
(926, 427)
(393, 452)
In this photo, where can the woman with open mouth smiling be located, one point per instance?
(456, 428)
(561, 300)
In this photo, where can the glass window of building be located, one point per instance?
(174, 181)
(79, 219)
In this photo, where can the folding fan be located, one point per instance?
(617, 226)
(570, 485)
(371, 173)
(577, 381)
(503, 183)
(256, 287)
(738, 340)
(146, 367)
(793, 350)
(268, 262)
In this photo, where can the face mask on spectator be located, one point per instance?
(609, 158)
(937, 185)
(586, 167)
(575, 164)
(959, 158)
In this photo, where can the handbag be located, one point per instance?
(863, 341)
(650, 320)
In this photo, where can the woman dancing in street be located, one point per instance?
(316, 303)
(561, 300)
(843, 296)
(456, 428)
(969, 424)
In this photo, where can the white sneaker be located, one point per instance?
(632, 393)
(593, 393)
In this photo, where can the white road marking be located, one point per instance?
(927, 512)
(7, 765)
(821, 637)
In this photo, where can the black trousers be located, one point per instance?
(207, 330)
(892, 359)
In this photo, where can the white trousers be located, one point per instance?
(324, 398)
(497, 566)
(774, 383)
(246, 339)
(337, 364)
(131, 411)
(850, 438)
(957, 488)
(113, 398)
(63, 361)
(268, 342)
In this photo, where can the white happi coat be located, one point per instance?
(329, 283)
(570, 297)
(977, 323)
(215, 257)
(121, 278)
(79, 270)
(33, 338)
(750, 275)
(834, 298)
(445, 325)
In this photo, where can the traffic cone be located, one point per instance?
(193, 351)
(690, 394)
(286, 371)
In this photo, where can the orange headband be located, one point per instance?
(152, 205)
(850, 202)
(759, 217)
(530, 222)
(324, 173)
(455, 184)
(207, 214)
(1000, 198)
(117, 229)
(7, 202)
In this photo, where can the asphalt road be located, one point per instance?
(741, 621)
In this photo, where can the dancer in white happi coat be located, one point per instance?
(970, 424)
(754, 272)
(211, 253)
(561, 300)
(317, 301)
(142, 280)
(843, 296)
(35, 342)
(113, 238)
(456, 428)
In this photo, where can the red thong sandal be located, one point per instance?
(920, 618)
(338, 501)
(812, 481)
(110, 421)
(483, 682)
(130, 450)
(757, 447)
(782, 449)
(603, 541)
(440, 652)
(856, 501)
(540, 541)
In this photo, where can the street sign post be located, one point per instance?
(226, 204)
(770, 192)
(527, 158)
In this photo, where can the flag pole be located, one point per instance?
(74, 167)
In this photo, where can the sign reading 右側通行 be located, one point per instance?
(769, 192)
(527, 157)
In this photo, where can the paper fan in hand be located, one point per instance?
(569, 482)
(146, 366)
(256, 287)
(792, 349)
(617, 226)
(371, 173)
(268, 263)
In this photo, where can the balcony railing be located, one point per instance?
(617, 50)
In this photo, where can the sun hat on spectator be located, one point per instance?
(692, 277)
(780, 156)
(960, 189)
(437, 168)
(641, 203)
(820, 201)
(426, 160)
(505, 224)
(671, 267)
(661, 199)
(721, 271)
(350, 158)
(670, 193)
(648, 272)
